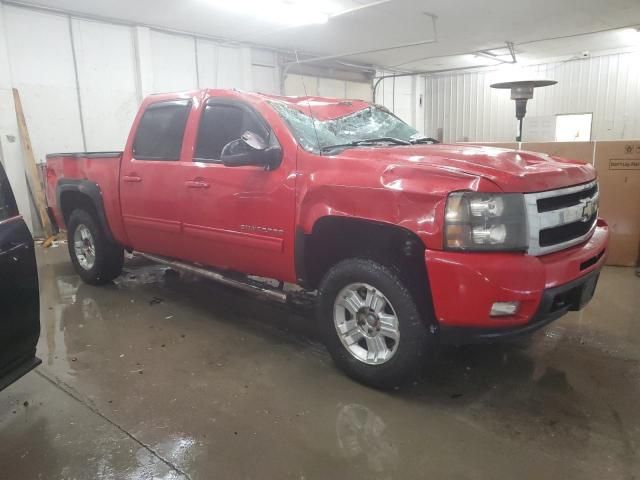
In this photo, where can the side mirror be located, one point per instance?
(251, 149)
(254, 141)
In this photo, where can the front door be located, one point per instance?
(19, 296)
(238, 218)
(150, 185)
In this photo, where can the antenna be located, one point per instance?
(313, 120)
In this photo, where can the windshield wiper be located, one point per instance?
(424, 140)
(368, 141)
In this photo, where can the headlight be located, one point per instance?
(485, 221)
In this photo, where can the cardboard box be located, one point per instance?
(618, 166)
(582, 151)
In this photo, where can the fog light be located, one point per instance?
(502, 309)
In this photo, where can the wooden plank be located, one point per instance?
(31, 169)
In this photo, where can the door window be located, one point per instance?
(8, 207)
(221, 124)
(160, 132)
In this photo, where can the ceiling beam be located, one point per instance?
(434, 19)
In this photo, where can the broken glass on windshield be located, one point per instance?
(370, 124)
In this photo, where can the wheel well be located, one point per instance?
(337, 238)
(73, 200)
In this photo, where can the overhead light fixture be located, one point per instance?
(631, 35)
(521, 92)
(284, 12)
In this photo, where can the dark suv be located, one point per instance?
(19, 296)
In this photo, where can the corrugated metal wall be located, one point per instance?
(466, 108)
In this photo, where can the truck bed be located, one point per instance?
(97, 168)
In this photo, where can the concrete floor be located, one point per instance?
(166, 377)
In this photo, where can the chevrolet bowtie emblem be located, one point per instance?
(589, 207)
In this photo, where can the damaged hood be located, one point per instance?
(510, 170)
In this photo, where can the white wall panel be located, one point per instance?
(173, 59)
(144, 63)
(222, 66)
(234, 68)
(107, 77)
(418, 102)
(359, 90)
(10, 149)
(401, 95)
(403, 101)
(230, 71)
(329, 87)
(300, 85)
(265, 74)
(265, 79)
(263, 57)
(207, 63)
(384, 90)
(608, 86)
(326, 87)
(42, 69)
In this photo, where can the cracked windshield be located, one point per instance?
(369, 124)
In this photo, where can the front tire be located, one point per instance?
(96, 259)
(373, 327)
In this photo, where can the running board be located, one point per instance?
(273, 294)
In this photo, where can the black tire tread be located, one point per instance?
(417, 340)
(109, 255)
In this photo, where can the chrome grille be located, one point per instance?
(559, 219)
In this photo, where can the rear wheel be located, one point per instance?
(373, 327)
(96, 259)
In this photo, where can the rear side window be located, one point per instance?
(221, 124)
(8, 208)
(160, 132)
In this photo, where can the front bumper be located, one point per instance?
(465, 285)
(555, 303)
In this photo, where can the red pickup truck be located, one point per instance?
(408, 243)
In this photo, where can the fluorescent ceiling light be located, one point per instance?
(631, 35)
(284, 12)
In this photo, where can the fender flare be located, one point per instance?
(92, 191)
(302, 241)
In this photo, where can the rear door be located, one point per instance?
(151, 179)
(19, 296)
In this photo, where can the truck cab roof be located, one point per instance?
(322, 108)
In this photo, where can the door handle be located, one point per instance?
(196, 184)
(131, 178)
